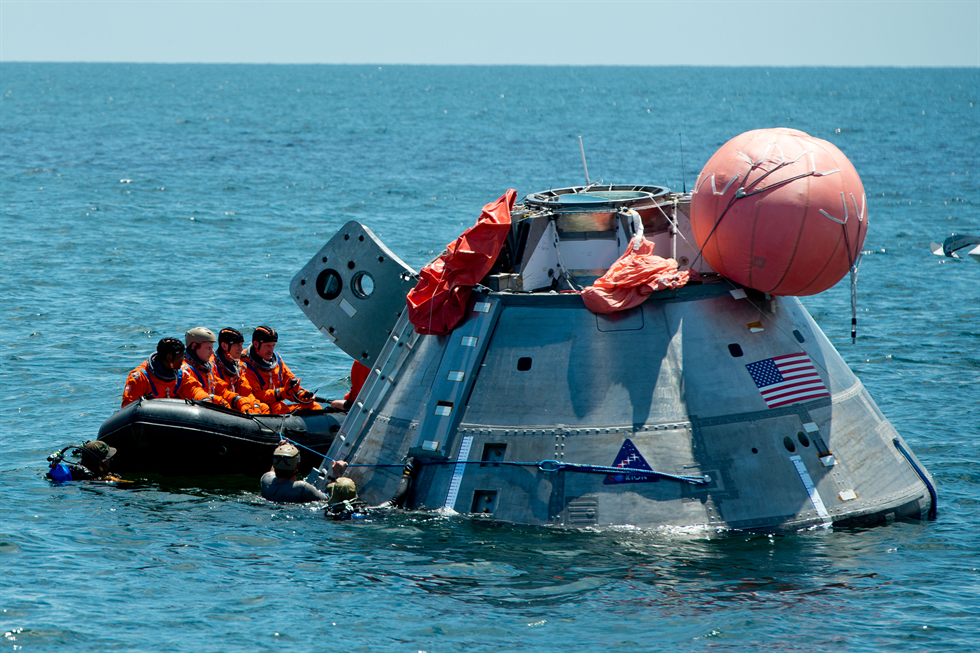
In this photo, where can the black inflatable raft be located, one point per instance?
(179, 437)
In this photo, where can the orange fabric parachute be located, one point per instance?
(438, 302)
(632, 278)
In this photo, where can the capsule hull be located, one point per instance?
(666, 387)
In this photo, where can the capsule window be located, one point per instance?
(805, 441)
(362, 285)
(735, 350)
(789, 444)
(523, 364)
(328, 284)
(799, 336)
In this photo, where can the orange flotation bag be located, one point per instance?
(780, 211)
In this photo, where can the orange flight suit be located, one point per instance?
(142, 382)
(201, 380)
(236, 388)
(270, 386)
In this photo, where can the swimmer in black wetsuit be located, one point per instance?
(281, 485)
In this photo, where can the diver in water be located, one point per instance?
(281, 485)
(95, 460)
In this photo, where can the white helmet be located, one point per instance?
(198, 335)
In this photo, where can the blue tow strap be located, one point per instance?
(548, 466)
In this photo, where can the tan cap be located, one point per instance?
(99, 449)
(343, 489)
(199, 334)
(96, 455)
(285, 458)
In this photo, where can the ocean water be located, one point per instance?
(141, 200)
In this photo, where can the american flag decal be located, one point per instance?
(787, 379)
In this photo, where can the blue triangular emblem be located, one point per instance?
(629, 457)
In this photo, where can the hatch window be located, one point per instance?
(328, 284)
(362, 285)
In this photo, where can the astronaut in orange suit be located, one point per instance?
(199, 343)
(230, 379)
(270, 379)
(160, 376)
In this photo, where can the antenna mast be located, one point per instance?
(584, 166)
(680, 139)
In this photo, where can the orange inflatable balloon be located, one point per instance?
(780, 211)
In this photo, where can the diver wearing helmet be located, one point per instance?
(270, 379)
(281, 485)
(229, 377)
(160, 375)
(198, 367)
(93, 465)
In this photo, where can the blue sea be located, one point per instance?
(142, 200)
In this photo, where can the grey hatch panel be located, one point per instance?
(353, 291)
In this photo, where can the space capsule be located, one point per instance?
(714, 400)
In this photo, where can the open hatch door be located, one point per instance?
(353, 291)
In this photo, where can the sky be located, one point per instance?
(638, 33)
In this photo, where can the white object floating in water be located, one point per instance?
(957, 244)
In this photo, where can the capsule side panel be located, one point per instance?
(555, 365)
(389, 432)
(636, 501)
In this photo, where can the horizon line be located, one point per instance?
(494, 65)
